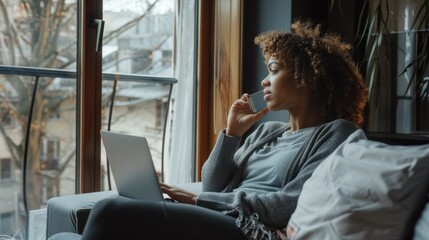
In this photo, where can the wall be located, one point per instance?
(260, 16)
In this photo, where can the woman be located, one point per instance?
(254, 188)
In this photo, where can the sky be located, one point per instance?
(138, 6)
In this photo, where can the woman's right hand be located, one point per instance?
(178, 194)
(241, 117)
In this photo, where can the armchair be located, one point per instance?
(70, 213)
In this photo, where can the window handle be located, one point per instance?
(99, 24)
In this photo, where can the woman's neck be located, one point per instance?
(297, 124)
(306, 117)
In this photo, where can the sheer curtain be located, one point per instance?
(179, 147)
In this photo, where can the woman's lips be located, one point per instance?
(267, 96)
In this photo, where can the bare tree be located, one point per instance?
(38, 33)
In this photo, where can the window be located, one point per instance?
(137, 54)
(6, 169)
(6, 223)
(140, 44)
(49, 166)
(38, 91)
(50, 154)
(5, 115)
(161, 106)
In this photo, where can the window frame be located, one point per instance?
(227, 15)
(88, 162)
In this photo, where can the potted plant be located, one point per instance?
(395, 34)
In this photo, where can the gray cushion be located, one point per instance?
(62, 211)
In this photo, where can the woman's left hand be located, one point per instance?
(178, 194)
(241, 117)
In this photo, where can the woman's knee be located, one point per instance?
(105, 204)
(106, 208)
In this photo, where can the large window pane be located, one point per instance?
(138, 37)
(138, 40)
(37, 51)
(397, 67)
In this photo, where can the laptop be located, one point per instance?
(132, 166)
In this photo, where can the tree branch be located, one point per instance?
(114, 34)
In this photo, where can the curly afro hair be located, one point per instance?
(322, 63)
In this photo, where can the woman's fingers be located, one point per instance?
(245, 97)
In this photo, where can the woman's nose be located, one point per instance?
(265, 82)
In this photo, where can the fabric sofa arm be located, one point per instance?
(70, 213)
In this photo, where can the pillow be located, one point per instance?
(363, 190)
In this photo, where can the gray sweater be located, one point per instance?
(256, 213)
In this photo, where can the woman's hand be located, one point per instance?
(241, 117)
(178, 194)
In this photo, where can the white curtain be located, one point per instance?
(179, 150)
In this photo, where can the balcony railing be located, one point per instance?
(46, 72)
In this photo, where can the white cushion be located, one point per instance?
(363, 190)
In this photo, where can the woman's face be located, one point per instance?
(280, 90)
